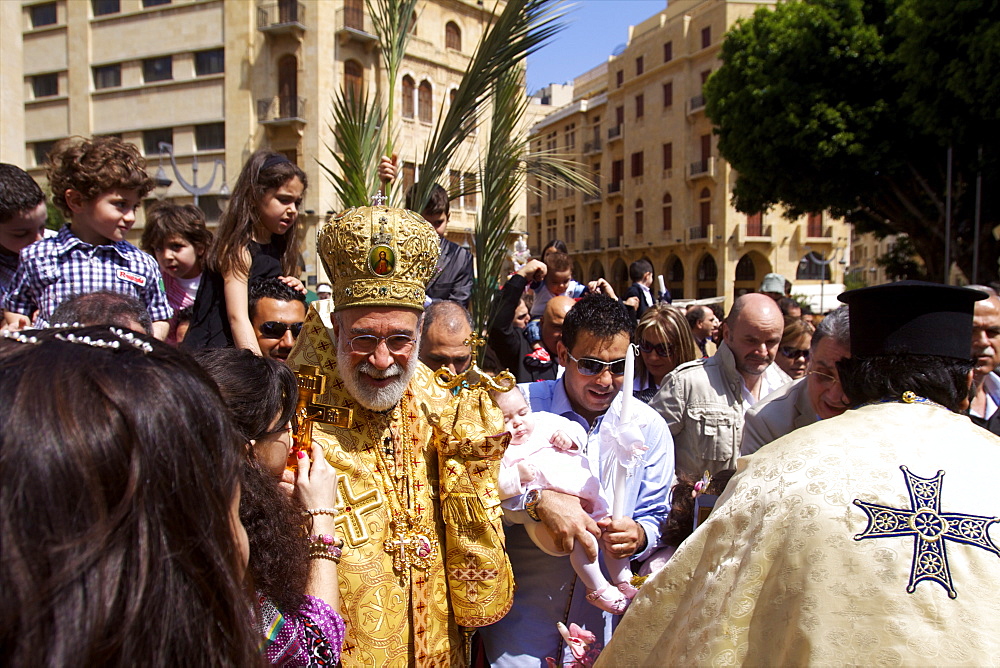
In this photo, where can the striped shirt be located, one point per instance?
(55, 269)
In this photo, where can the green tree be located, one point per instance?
(851, 105)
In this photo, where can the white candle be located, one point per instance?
(627, 383)
(618, 503)
(663, 286)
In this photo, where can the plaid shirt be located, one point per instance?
(53, 270)
(8, 268)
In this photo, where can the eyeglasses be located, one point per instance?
(794, 353)
(272, 329)
(588, 366)
(398, 344)
(661, 349)
(823, 378)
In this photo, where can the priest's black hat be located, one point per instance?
(912, 318)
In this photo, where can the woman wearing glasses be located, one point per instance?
(793, 352)
(665, 342)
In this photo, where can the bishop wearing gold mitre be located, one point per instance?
(382, 420)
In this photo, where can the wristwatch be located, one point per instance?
(531, 500)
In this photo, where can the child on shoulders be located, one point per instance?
(177, 237)
(98, 183)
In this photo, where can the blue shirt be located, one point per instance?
(546, 585)
(53, 270)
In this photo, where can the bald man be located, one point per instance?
(704, 401)
(552, 322)
(444, 338)
(986, 357)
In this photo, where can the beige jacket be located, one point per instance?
(779, 413)
(703, 406)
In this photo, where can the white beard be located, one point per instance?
(377, 399)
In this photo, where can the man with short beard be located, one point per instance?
(704, 401)
(376, 422)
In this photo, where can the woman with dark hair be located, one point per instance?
(293, 546)
(665, 342)
(793, 351)
(121, 541)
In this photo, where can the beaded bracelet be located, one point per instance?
(326, 546)
(312, 512)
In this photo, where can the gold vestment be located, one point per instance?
(393, 617)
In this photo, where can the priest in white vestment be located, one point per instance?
(866, 539)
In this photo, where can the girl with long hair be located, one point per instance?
(257, 238)
(293, 545)
(121, 544)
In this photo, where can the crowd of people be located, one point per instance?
(186, 440)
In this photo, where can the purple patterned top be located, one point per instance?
(311, 637)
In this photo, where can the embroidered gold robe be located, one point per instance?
(391, 620)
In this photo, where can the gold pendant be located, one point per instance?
(410, 546)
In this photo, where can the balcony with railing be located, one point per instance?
(281, 110)
(700, 169)
(534, 209)
(696, 104)
(753, 232)
(354, 24)
(700, 232)
(282, 17)
(592, 147)
(615, 189)
(819, 233)
(592, 198)
(614, 133)
(614, 242)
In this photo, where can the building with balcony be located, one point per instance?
(637, 123)
(219, 79)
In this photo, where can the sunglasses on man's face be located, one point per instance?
(272, 329)
(588, 366)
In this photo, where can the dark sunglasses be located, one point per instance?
(661, 349)
(591, 367)
(272, 329)
(794, 353)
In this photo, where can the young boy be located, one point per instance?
(558, 281)
(177, 237)
(98, 184)
(22, 220)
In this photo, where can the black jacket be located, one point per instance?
(510, 343)
(644, 301)
(453, 277)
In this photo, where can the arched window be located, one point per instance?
(707, 269)
(354, 78)
(425, 102)
(745, 270)
(409, 93)
(668, 212)
(704, 211)
(638, 216)
(813, 267)
(674, 274)
(619, 223)
(596, 271)
(413, 24)
(452, 36)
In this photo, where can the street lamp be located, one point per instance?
(815, 258)
(162, 182)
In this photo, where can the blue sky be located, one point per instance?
(594, 28)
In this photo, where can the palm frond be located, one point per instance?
(501, 177)
(357, 126)
(553, 170)
(522, 28)
(392, 20)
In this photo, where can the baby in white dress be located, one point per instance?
(545, 453)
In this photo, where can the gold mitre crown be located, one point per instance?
(378, 256)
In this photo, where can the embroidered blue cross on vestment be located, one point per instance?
(930, 529)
